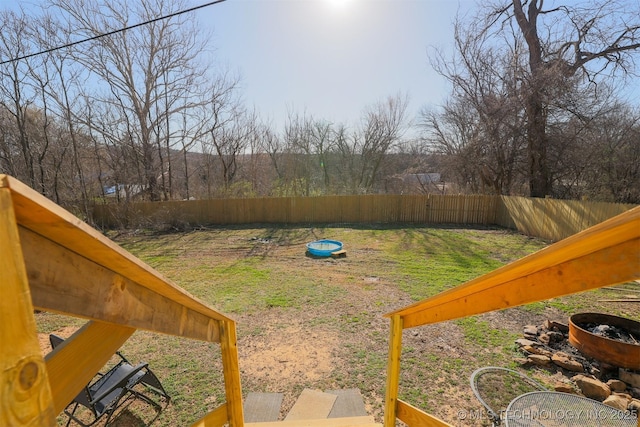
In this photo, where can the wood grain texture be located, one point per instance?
(611, 265)
(231, 372)
(41, 216)
(216, 418)
(65, 282)
(413, 416)
(53, 261)
(26, 399)
(393, 371)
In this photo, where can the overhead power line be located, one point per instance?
(113, 32)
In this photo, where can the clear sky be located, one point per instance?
(333, 58)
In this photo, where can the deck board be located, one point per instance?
(326, 422)
(348, 404)
(312, 404)
(262, 407)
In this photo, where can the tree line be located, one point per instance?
(144, 114)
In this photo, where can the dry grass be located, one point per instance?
(306, 322)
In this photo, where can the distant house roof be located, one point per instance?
(122, 190)
(422, 178)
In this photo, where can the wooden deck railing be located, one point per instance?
(51, 261)
(605, 254)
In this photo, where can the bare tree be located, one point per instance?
(383, 126)
(15, 100)
(479, 129)
(346, 160)
(222, 140)
(590, 41)
(309, 142)
(451, 134)
(259, 172)
(517, 77)
(612, 145)
(147, 69)
(323, 140)
(59, 80)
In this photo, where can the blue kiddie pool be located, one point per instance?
(324, 247)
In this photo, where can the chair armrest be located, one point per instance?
(118, 380)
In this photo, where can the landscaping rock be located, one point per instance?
(566, 362)
(529, 349)
(539, 359)
(553, 325)
(617, 385)
(618, 401)
(537, 350)
(531, 330)
(523, 341)
(544, 338)
(634, 405)
(592, 388)
(550, 337)
(555, 337)
(629, 377)
(595, 372)
(564, 388)
(547, 345)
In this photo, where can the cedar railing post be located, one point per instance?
(393, 371)
(231, 368)
(24, 385)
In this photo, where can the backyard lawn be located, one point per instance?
(308, 322)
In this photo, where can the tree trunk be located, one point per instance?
(539, 181)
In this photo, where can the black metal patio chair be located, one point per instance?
(496, 387)
(102, 397)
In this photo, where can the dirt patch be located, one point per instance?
(277, 358)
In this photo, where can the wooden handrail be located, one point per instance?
(605, 254)
(50, 260)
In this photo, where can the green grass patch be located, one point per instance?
(482, 334)
(249, 285)
(430, 261)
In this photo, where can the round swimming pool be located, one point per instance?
(324, 247)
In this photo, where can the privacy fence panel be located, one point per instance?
(546, 218)
(456, 209)
(554, 219)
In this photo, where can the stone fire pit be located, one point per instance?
(547, 346)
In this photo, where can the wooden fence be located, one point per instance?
(299, 210)
(554, 219)
(547, 218)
